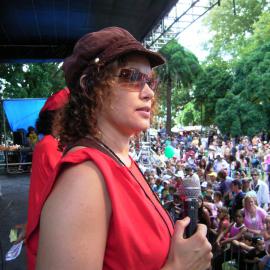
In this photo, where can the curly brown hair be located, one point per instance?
(87, 98)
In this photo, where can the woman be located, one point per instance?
(203, 213)
(45, 157)
(254, 216)
(101, 213)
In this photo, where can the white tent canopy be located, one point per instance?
(177, 129)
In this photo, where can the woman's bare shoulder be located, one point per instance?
(76, 215)
(82, 183)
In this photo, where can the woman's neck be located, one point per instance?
(118, 144)
(252, 211)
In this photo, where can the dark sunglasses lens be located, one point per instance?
(138, 79)
(136, 76)
(125, 74)
(153, 84)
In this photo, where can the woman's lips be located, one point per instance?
(144, 111)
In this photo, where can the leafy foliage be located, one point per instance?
(189, 115)
(32, 80)
(231, 26)
(212, 84)
(177, 76)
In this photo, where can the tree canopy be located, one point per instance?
(230, 92)
(232, 25)
(177, 77)
(30, 80)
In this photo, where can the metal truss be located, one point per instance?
(181, 16)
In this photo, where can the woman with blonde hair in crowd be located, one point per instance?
(254, 216)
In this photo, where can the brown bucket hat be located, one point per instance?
(101, 48)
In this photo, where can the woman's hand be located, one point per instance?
(193, 253)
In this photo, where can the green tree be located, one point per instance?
(31, 80)
(212, 84)
(237, 116)
(245, 109)
(177, 76)
(231, 26)
(261, 35)
(189, 115)
(252, 81)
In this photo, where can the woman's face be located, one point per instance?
(129, 110)
(250, 203)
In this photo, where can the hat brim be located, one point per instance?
(155, 59)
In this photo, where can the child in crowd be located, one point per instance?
(218, 199)
(255, 254)
(244, 243)
(212, 208)
(235, 232)
(264, 263)
(223, 221)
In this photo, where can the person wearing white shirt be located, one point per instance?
(220, 163)
(261, 189)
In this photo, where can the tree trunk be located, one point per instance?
(169, 105)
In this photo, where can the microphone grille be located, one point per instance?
(191, 188)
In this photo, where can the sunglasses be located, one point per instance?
(254, 175)
(137, 79)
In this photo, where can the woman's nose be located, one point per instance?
(147, 92)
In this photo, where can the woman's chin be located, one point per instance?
(139, 128)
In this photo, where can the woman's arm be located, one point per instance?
(266, 235)
(257, 232)
(74, 221)
(236, 237)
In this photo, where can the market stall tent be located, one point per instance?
(22, 112)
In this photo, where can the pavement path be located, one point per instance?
(13, 210)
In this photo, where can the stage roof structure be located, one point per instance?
(180, 17)
(46, 30)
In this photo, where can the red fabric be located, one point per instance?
(45, 158)
(56, 101)
(140, 229)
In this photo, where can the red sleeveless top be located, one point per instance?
(140, 229)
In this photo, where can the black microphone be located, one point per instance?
(191, 192)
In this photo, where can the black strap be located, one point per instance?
(91, 143)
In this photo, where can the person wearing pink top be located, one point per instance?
(254, 215)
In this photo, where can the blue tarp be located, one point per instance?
(22, 112)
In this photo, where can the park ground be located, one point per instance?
(13, 210)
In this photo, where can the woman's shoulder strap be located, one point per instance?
(91, 143)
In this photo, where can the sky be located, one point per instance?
(194, 37)
(196, 34)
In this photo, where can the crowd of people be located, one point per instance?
(234, 201)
